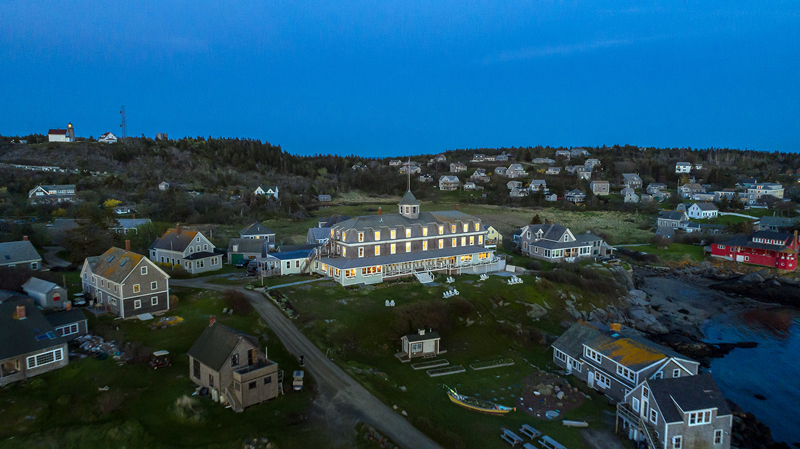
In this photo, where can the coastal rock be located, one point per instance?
(646, 322)
(536, 311)
(638, 297)
(574, 313)
(752, 278)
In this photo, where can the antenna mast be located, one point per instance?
(124, 124)
(408, 170)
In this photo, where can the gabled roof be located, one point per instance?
(37, 285)
(17, 252)
(631, 351)
(549, 231)
(174, 240)
(671, 215)
(631, 177)
(116, 264)
(18, 337)
(319, 233)
(65, 317)
(690, 393)
(448, 178)
(706, 206)
(575, 192)
(417, 337)
(57, 131)
(214, 346)
(408, 200)
(266, 188)
(256, 229)
(248, 245)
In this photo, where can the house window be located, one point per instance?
(377, 235)
(602, 380)
(472, 240)
(360, 253)
(416, 347)
(211, 380)
(268, 380)
(408, 247)
(393, 234)
(698, 418)
(454, 243)
(44, 358)
(344, 252)
(235, 360)
(196, 368)
(635, 404)
(441, 230)
(653, 416)
(676, 373)
(197, 248)
(560, 355)
(441, 243)
(377, 250)
(480, 240)
(477, 226)
(144, 271)
(153, 285)
(408, 232)
(658, 375)
(136, 288)
(425, 231)
(154, 301)
(425, 245)
(360, 236)
(393, 248)
(252, 385)
(466, 227)
(350, 274)
(677, 442)
(718, 436)
(137, 304)
(594, 355)
(452, 229)
(64, 331)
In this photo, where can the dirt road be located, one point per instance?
(342, 401)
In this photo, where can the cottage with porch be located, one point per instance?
(421, 344)
(229, 363)
(554, 243)
(189, 249)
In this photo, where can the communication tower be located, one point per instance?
(124, 124)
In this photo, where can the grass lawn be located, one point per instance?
(725, 219)
(362, 335)
(676, 252)
(65, 406)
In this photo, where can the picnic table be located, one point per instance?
(550, 443)
(510, 437)
(529, 432)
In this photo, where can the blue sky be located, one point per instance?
(407, 77)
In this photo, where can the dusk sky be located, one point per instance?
(386, 78)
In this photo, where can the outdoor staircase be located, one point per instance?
(424, 277)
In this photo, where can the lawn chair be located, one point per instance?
(225, 310)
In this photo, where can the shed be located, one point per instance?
(421, 344)
(45, 293)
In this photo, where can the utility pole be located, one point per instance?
(124, 124)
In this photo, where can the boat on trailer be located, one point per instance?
(478, 405)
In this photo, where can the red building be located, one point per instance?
(765, 248)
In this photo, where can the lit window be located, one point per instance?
(360, 236)
(454, 243)
(425, 231)
(393, 234)
(477, 226)
(408, 247)
(466, 227)
(377, 235)
(452, 229)
(441, 243)
(472, 240)
(393, 248)
(441, 230)
(136, 288)
(480, 240)
(360, 251)
(425, 245)
(463, 241)
(408, 232)
(344, 251)
(377, 250)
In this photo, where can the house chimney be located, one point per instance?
(178, 228)
(380, 211)
(134, 216)
(456, 206)
(20, 315)
(211, 320)
(24, 238)
(128, 245)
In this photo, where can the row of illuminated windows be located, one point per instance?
(393, 247)
(393, 232)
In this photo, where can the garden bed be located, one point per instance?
(446, 371)
(430, 364)
(496, 363)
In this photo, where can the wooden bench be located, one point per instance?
(529, 432)
(510, 437)
(550, 443)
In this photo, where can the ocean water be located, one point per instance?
(772, 369)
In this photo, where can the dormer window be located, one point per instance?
(453, 229)
(477, 226)
(425, 231)
(441, 229)
(466, 227)
(377, 235)
(566, 237)
(360, 236)
(393, 234)
(408, 232)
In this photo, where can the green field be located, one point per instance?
(487, 321)
(675, 252)
(65, 409)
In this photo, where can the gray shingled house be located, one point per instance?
(29, 345)
(682, 412)
(69, 324)
(616, 362)
(228, 362)
(245, 248)
(554, 243)
(20, 254)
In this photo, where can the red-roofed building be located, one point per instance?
(61, 135)
(765, 248)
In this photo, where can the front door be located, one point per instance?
(590, 379)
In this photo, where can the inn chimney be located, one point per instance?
(380, 211)
(456, 206)
(24, 238)
(20, 312)
(211, 320)
(128, 245)
(134, 216)
(178, 228)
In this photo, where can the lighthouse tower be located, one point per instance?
(70, 132)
